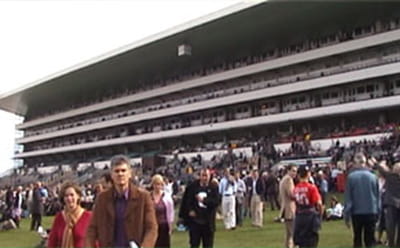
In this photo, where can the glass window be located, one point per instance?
(370, 88)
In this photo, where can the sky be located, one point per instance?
(39, 38)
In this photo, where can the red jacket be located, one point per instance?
(79, 230)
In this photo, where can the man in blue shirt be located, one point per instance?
(362, 202)
(227, 189)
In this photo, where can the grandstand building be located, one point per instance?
(276, 69)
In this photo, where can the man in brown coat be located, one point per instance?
(288, 205)
(124, 215)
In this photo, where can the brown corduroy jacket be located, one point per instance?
(140, 219)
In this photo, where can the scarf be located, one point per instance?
(71, 217)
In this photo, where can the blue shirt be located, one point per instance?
(324, 186)
(227, 188)
(362, 193)
(121, 202)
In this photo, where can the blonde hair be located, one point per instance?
(157, 178)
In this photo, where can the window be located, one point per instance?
(360, 90)
(334, 94)
(370, 88)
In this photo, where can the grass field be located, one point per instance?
(333, 234)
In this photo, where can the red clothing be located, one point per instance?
(79, 230)
(306, 194)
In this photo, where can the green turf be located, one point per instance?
(333, 234)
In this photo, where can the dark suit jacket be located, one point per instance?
(140, 219)
(37, 202)
(189, 202)
(260, 186)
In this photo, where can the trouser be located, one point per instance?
(256, 208)
(323, 197)
(36, 221)
(363, 224)
(204, 233)
(246, 206)
(273, 200)
(228, 211)
(289, 234)
(163, 238)
(239, 210)
(306, 228)
(393, 226)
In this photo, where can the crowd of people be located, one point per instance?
(299, 192)
(233, 187)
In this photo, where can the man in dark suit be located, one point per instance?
(256, 190)
(37, 207)
(198, 209)
(123, 215)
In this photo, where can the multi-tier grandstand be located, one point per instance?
(275, 71)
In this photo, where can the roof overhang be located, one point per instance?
(241, 29)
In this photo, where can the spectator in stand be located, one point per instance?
(288, 205)
(392, 202)
(164, 207)
(70, 225)
(362, 202)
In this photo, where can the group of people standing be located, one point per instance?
(125, 215)
(365, 205)
(301, 205)
(243, 196)
(20, 203)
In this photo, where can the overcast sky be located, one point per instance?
(39, 38)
